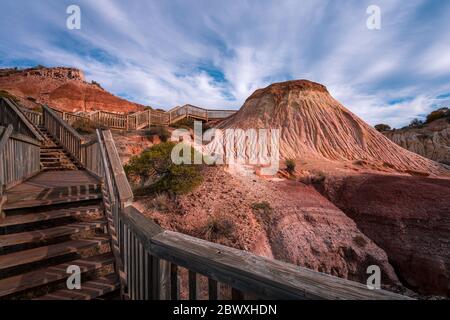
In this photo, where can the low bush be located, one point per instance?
(415, 123)
(382, 127)
(162, 203)
(262, 208)
(290, 166)
(218, 226)
(438, 114)
(155, 172)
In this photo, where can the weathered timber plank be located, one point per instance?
(5, 134)
(89, 290)
(249, 273)
(121, 181)
(47, 252)
(21, 238)
(17, 284)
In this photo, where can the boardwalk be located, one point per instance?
(67, 202)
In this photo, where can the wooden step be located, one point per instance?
(29, 218)
(48, 202)
(22, 238)
(26, 257)
(55, 169)
(56, 164)
(89, 290)
(53, 274)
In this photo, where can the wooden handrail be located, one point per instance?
(148, 117)
(19, 157)
(5, 134)
(11, 114)
(69, 128)
(242, 270)
(66, 135)
(33, 116)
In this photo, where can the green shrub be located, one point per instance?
(159, 131)
(217, 226)
(382, 127)
(290, 166)
(156, 172)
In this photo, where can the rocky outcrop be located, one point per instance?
(62, 88)
(431, 140)
(408, 217)
(315, 125)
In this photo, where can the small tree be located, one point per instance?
(382, 127)
(158, 174)
(290, 166)
(415, 123)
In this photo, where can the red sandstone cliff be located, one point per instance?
(62, 88)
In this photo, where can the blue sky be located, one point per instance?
(215, 53)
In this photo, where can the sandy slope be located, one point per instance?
(314, 125)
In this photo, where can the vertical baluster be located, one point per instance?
(193, 285)
(156, 266)
(212, 289)
(174, 289)
(164, 274)
(141, 272)
(236, 294)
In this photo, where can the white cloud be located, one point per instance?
(215, 54)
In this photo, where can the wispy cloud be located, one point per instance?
(215, 53)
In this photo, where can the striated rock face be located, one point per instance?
(302, 227)
(62, 88)
(315, 125)
(431, 141)
(408, 217)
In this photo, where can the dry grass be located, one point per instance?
(218, 226)
(162, 203)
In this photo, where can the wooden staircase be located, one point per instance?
(47, 228)
(53, 156)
